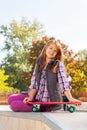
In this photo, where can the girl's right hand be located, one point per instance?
(27, 99)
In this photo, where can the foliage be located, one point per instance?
(24, 42)
(18, 43)
(77, 69)
(4, 87)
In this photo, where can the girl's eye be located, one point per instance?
(52, 49)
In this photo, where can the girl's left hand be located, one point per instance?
(79, 103)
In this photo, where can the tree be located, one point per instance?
(4, 87)
(18, 43)
(82, 56)
(77, 69)
(23, 43)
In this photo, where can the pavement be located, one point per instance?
(64, 119)
(5, 108)
(69, 121)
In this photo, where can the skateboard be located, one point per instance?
(71, 108)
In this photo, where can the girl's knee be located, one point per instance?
(10, 99)
(15, 97)
(19, 106)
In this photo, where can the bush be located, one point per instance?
(81, 95)
(8, 90)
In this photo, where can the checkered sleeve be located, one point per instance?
(62, 78)
(33, 84)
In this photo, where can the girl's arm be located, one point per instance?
(31, 94)
(64, 83)
(62, 78)
(32, 88)
(69, 96)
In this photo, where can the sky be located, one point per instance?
(66, 20)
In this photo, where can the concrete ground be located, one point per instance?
(64, 119)
(69, 121)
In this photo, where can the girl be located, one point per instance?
(48, 83)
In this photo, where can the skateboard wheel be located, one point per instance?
(36, 108)
(72, 109)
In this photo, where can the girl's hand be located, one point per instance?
(27, 99)
(75, 100)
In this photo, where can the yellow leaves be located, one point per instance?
(23, 32)
(4, 87)
(77, 71)
(78, 76)
(3, 84)
(19, 31)
(3, 77)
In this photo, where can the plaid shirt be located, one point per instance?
(42, 92)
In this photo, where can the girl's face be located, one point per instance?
(51, 51)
